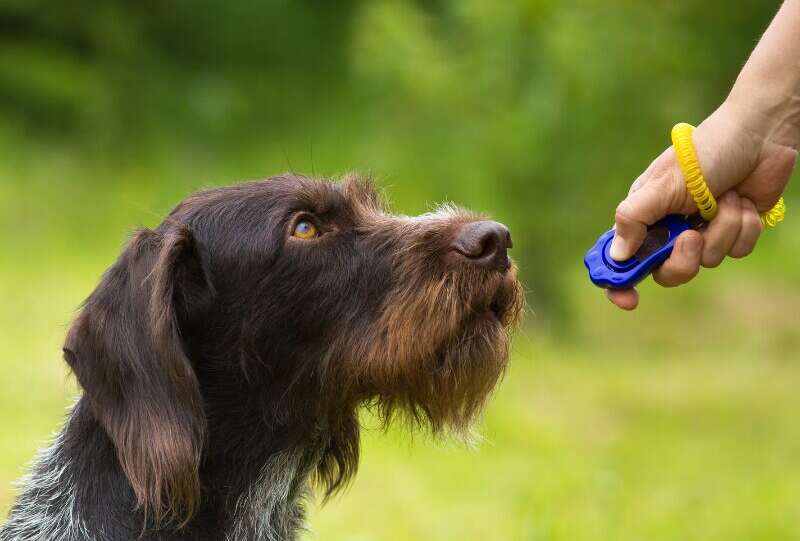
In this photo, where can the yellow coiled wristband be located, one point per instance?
(696, 184)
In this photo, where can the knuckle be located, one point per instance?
(676, 191)
(748, 238)
(729, 217)
(665, 181)
(731, 200)
(752, 221)
(623, 214)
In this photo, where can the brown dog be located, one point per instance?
(224, 356)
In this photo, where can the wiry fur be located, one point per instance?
(272, 507)
(46, 508)
(223, 361)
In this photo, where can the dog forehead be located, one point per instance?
(276, 196)
(252, 217)
(352, 196)
(302, 193)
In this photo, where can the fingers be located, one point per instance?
(758, 178)
(684, 263)
(723, 231)
(734, 232)
(658, 192)
(750, 231)
(627, 299)
(769, 179)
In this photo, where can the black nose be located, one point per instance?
(484, 244)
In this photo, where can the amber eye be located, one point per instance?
(305, 230)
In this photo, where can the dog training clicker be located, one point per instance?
(660, 240)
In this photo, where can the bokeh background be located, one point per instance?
(676, 422)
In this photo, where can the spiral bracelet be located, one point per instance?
(696, 183)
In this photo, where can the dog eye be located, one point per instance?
(305, 230)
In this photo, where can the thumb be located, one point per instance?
(653, 200)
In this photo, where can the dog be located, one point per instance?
(224, 357)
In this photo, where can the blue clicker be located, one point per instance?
(610, 274)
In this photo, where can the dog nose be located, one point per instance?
(484, 244)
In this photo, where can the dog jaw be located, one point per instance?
(441, 342)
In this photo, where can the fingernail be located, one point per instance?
(691, 246)
(618, 250)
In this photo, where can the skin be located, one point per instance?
(747, 150)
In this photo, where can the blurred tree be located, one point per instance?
(538, 111)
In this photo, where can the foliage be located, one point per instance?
(673, 423)
(538, 111)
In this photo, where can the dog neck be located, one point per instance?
(77, 490)
(272, 508)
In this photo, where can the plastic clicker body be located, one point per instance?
(607, 273)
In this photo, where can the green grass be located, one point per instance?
(578, 444)
(586, 447)
(678, 422)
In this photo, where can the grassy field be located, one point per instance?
(588, 438)
(677, 422)
(576, 447)
(585, 448)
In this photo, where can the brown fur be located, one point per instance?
(218, 344)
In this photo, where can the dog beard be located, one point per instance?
(451, 349)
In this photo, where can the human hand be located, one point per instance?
(745, 170)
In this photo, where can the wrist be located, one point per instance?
(727, 148)
(767, 107)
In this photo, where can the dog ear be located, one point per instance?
(127, 354)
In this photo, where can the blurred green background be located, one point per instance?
(676, 422)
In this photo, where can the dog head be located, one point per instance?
(300, 300)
